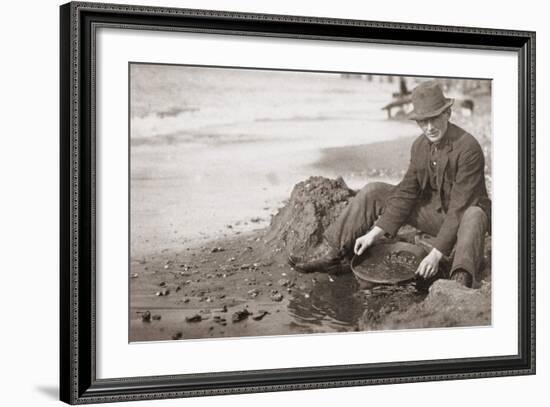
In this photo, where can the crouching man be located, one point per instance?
(443, 193)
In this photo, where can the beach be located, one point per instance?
(211, 162)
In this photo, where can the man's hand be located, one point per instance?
(430, 264)
(365, 241)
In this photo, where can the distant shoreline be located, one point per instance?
(379, 159)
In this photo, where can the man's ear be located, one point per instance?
(449, 113)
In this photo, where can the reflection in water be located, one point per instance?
(332, 304)
(340, 304)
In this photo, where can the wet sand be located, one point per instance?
(197, 293)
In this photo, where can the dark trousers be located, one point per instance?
(363, 210)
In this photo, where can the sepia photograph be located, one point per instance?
(275, 202)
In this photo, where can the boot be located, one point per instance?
(327, 259)
(461, 276)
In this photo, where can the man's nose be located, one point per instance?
(429, 125)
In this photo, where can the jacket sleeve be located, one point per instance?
(469, 179)
(400, 203)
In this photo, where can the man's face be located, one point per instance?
(434, 128)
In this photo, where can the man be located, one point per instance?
(443, 193)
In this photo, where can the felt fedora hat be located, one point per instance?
(428, 101)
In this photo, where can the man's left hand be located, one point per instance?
(430, 264)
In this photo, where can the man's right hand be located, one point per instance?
(365, 241)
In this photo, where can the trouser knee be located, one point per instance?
(474, 218)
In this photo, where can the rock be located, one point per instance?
(260, 315)
(194, 318)
(177, 335)
(240, 315)
(217, 250)
(284, 282)
(313, 205)
(276, 296)
(448, 304)
(220, 320)
(134, 275)
(146, 316)
(253, 293)
(162, 293)
(157, 317)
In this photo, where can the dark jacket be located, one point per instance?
(462, 171)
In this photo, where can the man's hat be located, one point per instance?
(428, 101)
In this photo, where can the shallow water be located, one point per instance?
(341, 305)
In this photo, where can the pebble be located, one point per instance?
(177, 335)
(220, 320)
(135, 275)
(261, 314)
(284, 282)
(217, 249)
(157, 317)
(146, 316)
(162, 293)
(194, 318)
(240, 315)
(277, 296)
(253, 293)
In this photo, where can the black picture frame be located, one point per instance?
(78, 382)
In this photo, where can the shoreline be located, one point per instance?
(240, 287)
